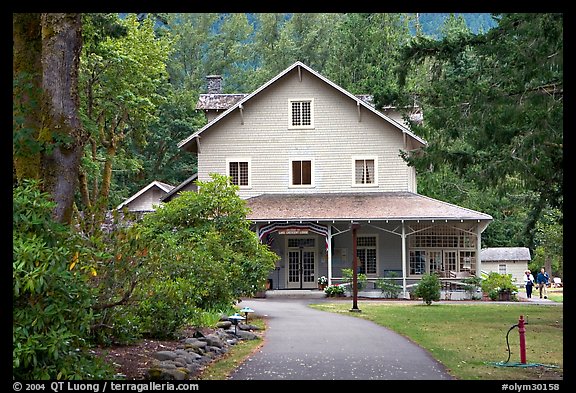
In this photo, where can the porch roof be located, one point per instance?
(395, 206)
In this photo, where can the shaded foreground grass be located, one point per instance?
(469, 338)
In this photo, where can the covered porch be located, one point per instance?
(404, 235)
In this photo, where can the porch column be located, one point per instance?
(478, 249)
(329, 251)
(405, 293)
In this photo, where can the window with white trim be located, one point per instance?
(367, 253)
(502, 268)
(239, 172)
(301, 173)
(301, 113)
(365, 171)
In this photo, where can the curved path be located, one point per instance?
(304, 344)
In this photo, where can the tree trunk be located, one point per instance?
(27, 94)
(61, 126)
(84, 193)
(107, 173)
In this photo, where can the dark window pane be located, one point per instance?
(306, 172)
(296, 173)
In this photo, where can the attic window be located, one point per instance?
(301, 113)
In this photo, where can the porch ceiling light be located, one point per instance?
(354, 225)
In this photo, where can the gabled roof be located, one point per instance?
(394, 206)
(218, 101)
(162, 186)
(359, 101)
(223, 101)
(180, 186)
(505, 254)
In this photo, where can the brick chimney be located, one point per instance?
(214, 84)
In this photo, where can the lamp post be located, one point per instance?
(235, 319)
(277, 277)
(354, 226)
(246, 311)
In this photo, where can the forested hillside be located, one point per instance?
(432, 23)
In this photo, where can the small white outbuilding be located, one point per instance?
(507, 260)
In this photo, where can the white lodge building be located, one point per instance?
(311, 158)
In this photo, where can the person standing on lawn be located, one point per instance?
(528, 283)
(542, 281)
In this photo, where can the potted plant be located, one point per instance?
(322, 282)
(499, 287)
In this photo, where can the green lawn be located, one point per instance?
(469, 338)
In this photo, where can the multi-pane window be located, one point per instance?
(502, 268)
(238, 172)
(435, 259)
(301, 113)
(301, 242)
(467, 259)
(443, 237)
(301, 173)
(450, 260)
(417, 262)
(366, 251)
(442, 249)
(364, 171)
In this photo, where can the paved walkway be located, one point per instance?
(534, 299)
(304, 344)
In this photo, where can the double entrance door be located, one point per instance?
(301, 262)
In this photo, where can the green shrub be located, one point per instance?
(347, 278)
(472, 285)
(209, 318)
(115, 255)
(202, 256)
(52, 301)
(334, 290)
(166, 309)
(497, 283)
(389, 287)
(428, 288)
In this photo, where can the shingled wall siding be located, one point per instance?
(145, 201)
(515, 268)
(265, 139)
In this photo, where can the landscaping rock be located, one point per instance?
(179, 374)
(243, 326)
(167, 364)
(195, 343)
(164, 355)
(244, 335)
(224, 324)
(195, 352)
(180, 362)
(214, 341)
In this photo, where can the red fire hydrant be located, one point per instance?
(522, 331)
